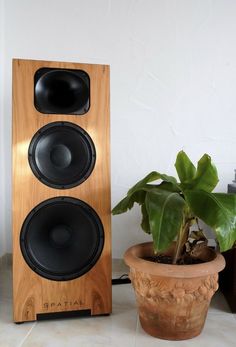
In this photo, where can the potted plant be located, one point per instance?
(176, 275)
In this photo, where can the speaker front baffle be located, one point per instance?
(61, 190)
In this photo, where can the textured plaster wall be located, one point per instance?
(173, 83)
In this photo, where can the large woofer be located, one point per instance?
(62, 155)
(62, 238)
(61, 91)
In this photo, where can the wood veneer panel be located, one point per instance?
(33, 294)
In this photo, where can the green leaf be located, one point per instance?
(170, 187)
(138, 196)
(169, 179)
(138, 192)
(184, 167)
(152, 176)
(145, 220)
(124, 205)
(128, 202)
(206, 177)
(165, 210)
(218, 210)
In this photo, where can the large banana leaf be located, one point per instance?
(128, 202)
(138, 192)
(205, 177)
(218, 210)
(145, 219)
(153, 176)
(165, 211)
(184, 167)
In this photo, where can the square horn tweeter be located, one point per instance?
(61, 91)
(61, 190)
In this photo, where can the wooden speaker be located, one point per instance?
(61, 190)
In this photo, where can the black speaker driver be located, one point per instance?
(62, 238)
(61, 91)
(61, 155)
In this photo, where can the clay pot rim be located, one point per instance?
(133, 259)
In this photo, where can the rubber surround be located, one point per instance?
(71, 146)
(74, 259)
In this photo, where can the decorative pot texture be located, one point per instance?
(173, 300)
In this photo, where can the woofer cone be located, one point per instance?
(61, 91)
(61, 155)
(62, 238)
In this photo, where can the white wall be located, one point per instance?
(173, 82)
(2, 146)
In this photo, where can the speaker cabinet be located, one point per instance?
(61, 190)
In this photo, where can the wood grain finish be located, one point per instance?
(33, 294)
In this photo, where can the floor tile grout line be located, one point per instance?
(27, 335)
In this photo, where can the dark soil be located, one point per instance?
(165, 259)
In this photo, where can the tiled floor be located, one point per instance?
(121, 329)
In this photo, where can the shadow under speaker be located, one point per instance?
(61, 190)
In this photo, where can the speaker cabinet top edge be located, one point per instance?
(58, 64)
(72, 86)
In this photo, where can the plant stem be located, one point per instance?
(198, 225)
(181, 240)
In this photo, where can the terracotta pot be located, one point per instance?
(173, 300)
